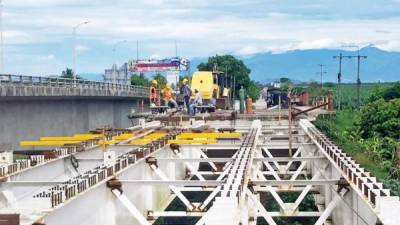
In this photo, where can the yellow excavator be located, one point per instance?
(213, 88)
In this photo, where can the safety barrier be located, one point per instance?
(20, 85)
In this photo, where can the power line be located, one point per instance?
(1, 39)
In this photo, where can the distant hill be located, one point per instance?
(302, 65)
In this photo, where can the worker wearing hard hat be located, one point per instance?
(153, 97)
(198, 100)
(187, 92)
(168, 97)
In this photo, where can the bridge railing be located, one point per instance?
(39, 81)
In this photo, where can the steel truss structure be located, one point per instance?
(241, 182)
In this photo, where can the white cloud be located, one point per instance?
(81, 48)
(201, 27)
(155, 56)
(47, 57)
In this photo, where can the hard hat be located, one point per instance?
(185, 81)
(154, 82)
(168, 86)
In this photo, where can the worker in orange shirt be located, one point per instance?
(167, 93)
(153, 97)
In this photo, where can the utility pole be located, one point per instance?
(114, 72)
(1, 39)
(359, 57)
(74, 50)
(137, 50)
(321, 73)
(290, 120)
(176, 49)
(339, 77)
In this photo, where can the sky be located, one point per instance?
(38, 36)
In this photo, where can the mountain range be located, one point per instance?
(303, 65)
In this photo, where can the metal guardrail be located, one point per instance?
(58, 82)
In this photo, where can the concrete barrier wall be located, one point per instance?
(30, 119)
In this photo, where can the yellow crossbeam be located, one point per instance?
(108, 142)
(91, 136)
(123, 137)
(208, 135)
(195, 141)
(155, 135)
(47, 143)
(61, 138)
(140, 141)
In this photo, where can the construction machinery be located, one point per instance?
(213, 88)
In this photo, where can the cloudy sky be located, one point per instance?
(38, 33)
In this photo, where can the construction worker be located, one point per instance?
(241, 100)
(153, 93)
(198, 100)
(168, 97)
(187, 92)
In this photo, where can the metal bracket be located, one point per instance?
(151, 161)
(342, 184)
(115, 184)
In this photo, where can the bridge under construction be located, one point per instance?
(214, 169)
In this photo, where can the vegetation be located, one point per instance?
(161, 80)
(235, 67)
(139, 80)
(69, 74)
(285, 83)
(372, 135)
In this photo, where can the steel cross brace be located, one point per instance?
(190, 167)
(179, 194)
(331, 206)
(130, 207)
(264, 213)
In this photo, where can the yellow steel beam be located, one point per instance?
(61, 138)
(208, 135)
(108, 142)
(155, 135)
(195, 141)
(140, 141)
(122, 137)
(91, 136)
(47, 143)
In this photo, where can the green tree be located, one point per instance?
(254, 90)
(69, 74)
(381, 118)
(285, 80)
(139, 80)
(161, 80)
(385, 92)
(236, 68)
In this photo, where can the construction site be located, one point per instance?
(174, 112)
(211, 169)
